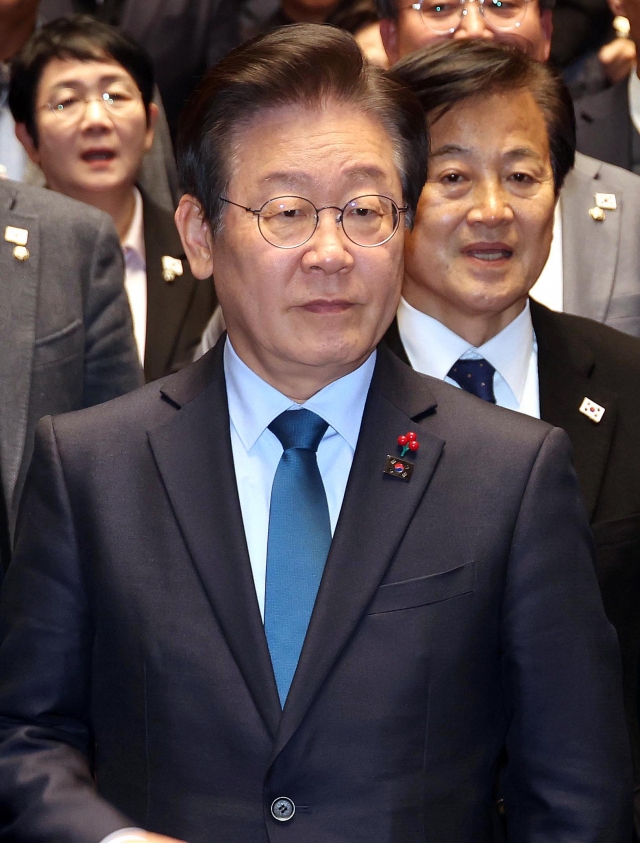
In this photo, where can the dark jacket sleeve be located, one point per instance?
(47, 791)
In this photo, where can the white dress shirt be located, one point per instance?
(433, 349)
(135, 274)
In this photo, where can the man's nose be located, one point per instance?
(95, 113)
(328, 249)
(473, 23)
(491, 204)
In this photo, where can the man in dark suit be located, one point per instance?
(594, 266)
(165, 663)
(66, 331)
(482, 234)
(88, 125)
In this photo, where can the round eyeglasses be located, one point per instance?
(446, 17)
(290, 221)
(118, 101)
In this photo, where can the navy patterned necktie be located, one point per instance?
(298, 542)
(474, 376)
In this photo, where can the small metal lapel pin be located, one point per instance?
(592, 410)
(171, 268)
(398, 466)
(18, 236)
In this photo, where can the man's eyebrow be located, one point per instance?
(523, 152)
(81, 83)
(456, 149)
(449, 149)
(296, 179)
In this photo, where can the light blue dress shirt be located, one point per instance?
(432, 349)
(253, 405)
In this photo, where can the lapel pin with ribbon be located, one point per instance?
(19, 237)
(591, 410)
(398, 466)
(171, 268)
(603, 202)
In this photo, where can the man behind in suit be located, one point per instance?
(177, 656)
(593, 268)
(81, 95)
(503, 141)
(65, 324)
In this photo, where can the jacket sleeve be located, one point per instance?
(112, 365)
(47, 790)
(568, 775)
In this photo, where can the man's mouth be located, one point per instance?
(98, 155)
(488, 252)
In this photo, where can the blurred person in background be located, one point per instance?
(18, 21)
(608, 123)
(81, 96)
(183, 37)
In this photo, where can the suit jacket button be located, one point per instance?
(282, 809)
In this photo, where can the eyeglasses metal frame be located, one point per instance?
(257, 213)
(103, 99)
(464, 11)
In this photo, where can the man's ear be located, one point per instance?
(27, 141)
(389, 35)
(195, 234)
(546, 23)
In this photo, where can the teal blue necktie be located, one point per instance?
(298, 543)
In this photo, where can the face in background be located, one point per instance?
(100, 152)
(485, 218)
(302, 317)
(409, 32)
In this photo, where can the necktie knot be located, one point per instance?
(474, 376)
(299, 429)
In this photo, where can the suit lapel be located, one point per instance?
(375, 514)
(19, 280)
(565, 367)
(589, 248)
(193, 454)
(167, 302)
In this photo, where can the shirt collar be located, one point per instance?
(254, 404)
(133, 241)
(433, 349)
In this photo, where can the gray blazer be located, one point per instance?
(66, 339)
(601, 259)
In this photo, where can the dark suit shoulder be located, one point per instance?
(128, 416)
(612, 350)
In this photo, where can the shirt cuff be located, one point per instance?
(126, 835)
